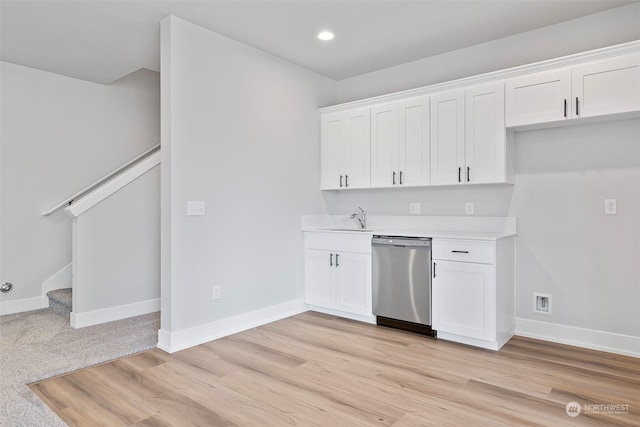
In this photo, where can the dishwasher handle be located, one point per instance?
(401, 241)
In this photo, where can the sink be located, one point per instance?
(348, 229)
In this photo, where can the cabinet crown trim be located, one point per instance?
(546, 65)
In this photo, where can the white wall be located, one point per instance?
(58, 135)
(116, 254)
(602, 29)
(241, 133)
(567, 247)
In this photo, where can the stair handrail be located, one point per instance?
(69, 200)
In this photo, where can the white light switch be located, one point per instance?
(195, 208)
(611, 207)
(414, 208)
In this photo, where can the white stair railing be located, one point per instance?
(69, 200)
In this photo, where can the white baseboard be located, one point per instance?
(61, 280)
(179, 340)
(360, 318)
(627, 345)
(500, 341)
(20, 305)
(81, 320)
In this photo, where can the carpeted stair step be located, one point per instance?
(60, 300)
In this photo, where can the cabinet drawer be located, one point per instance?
(337, 242)
(478, 251)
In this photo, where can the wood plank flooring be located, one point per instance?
(319, 370)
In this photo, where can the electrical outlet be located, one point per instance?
(195, 208)
(216, 292)
(469, 208)
(611, 207)
(414, 208)
(542, 303)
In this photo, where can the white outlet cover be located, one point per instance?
(611, 207)
(469, 208)
(414, 208)
(195, 208)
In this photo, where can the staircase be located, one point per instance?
(60, 300)
(102, 289)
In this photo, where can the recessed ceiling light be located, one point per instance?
(325, 35)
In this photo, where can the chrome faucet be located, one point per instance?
(362, 219)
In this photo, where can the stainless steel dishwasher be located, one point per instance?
(402, 282)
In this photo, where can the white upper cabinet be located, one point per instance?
(606, 87)
(447, 137)
(384, 145)
(468, 138)
(346, 150)
(330, 156)
(538, 98)
(597, 88)
(400, 143)
(485, 145)
(462, 135)
(413, 152)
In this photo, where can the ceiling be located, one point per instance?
(101, 41)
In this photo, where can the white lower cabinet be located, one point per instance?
(474, 291)
(319, 276)
(465, 299)
(337, 272)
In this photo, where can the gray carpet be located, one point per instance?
(40, 344)
(61, 300)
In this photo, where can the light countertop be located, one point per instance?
(436, 234)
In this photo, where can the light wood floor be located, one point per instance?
(314, 369)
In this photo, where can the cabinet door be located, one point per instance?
(538, 98)
(318, 277)
(353, 283)
(384, 145)
(485, 150)
(331, 128)
(413, 146)
(447, 137)
(464, 299)
(606, 87)
(355, 143)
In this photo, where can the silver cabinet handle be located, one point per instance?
(577, 109)
(394, 177)
(346, 180)
(460, 252)
(330, 260)
(400, 177)
(337, 259)
(565, 108)
(468, 173)
(340, 181)
(434, 269)
(459, 173)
